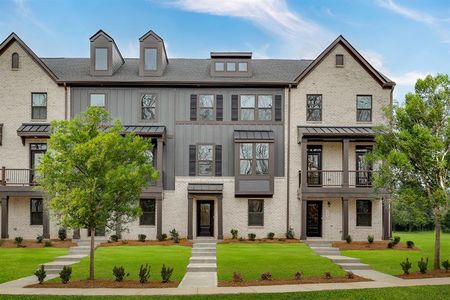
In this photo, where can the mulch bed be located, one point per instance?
(381, 245)
(183, 242)
(259, 241)
(84, 284)
(306, 280)
(429, 274)
(34, 244)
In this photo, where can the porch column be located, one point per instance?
(304, 163)
(159, 160)
(303, 227)
(76, 234)
(345, 146)
(220, 217)
(190, 216)
(4, 225)
(344, 218)
(386, 220)
(158, 217)
(45, 223)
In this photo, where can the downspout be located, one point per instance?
(288, 159)
(65, 101)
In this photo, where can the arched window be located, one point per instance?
(15, 60)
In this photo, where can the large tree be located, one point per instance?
(415, 150)
(92, 173)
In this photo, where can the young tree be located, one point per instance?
(92, 172)
(415, 150)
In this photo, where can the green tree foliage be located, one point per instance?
(92, 173)
(415, 150)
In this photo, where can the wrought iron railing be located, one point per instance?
(18, 177)
(360, 178)
(335, 178)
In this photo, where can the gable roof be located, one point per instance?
(109, 38)
(156, 37)
(15, 38)
(382, 79)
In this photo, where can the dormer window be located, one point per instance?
(101, 59)
(242, 67)
(15, 61)
(150, 59)
(231, 64)
(220, 66)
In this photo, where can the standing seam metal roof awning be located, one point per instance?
(205, 188)
(256, 135)
(334, 132)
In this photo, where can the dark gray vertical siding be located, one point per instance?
(174, 112)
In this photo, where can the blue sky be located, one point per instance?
(405, 39)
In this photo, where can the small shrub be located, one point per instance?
(423, 265)
(124, 242)
(65, 274)
(175, 236)
(39, 239)
(406, 266)
(270, 235)
(327, 275)
(18, 240)
(370, 239)
(390, 245)
(234, 233)
(119, 273)
(141, 237)
(40, 274)
(251, 236)
(350, 275)
(348, 239)
(166, 273)
(62, 234)
(446, 265)
(396, 240)
(297, 276)
(237, 277)
(144, 273)
(162, 237)
(410, 244)
(266, 276)
(241, 239)
(290, 234)
(114, 238)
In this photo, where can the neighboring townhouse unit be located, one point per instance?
(257, 145)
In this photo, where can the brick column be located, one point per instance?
(220, 217)
(45, 223)
(303, 226)
(158, 216)
(190, 216)
(344, 218)
(4, 224)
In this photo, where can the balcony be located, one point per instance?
(335, 178)
(17, 177)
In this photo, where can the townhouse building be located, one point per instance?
(257, 145)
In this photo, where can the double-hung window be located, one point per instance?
(206, 104)
(314, 108)
(205, 160)
(364, 108)
(247, 107)
(363, 213)
(39, 106)
(36, 211)
(148, 107)
(255, 212)
(265, 103)
(148, 212)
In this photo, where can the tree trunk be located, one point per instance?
(437, 244)
(91, 255)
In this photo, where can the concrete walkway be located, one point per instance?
(202, 269)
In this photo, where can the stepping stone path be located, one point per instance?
(325, 249)
(202, 268)
(76, 254)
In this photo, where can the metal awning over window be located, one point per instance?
(334, 132)
(254, 135)
(205, 188)
(33, 130)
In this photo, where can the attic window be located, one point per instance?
(101, 59)
(242, 67)
(231, 66)
(220, 66)
(339, 60)
(150, 62)
(15, 60)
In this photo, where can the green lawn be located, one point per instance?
(282, 260)
(20, 262)
(131, 258)
(388, 260)
(401, 293)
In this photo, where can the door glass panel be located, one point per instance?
(314, 166)
(205, 214)
(363, 168)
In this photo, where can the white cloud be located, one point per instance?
(299, 37)
(131, 50)
(26, 14)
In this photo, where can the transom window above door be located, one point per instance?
(148, 107)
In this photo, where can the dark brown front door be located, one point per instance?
(314, 218)
(205, 218)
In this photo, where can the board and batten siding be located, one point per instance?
(174, 112)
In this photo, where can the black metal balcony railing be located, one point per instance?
(335, 178)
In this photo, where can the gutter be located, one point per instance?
(288, 160)
(65, 101)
